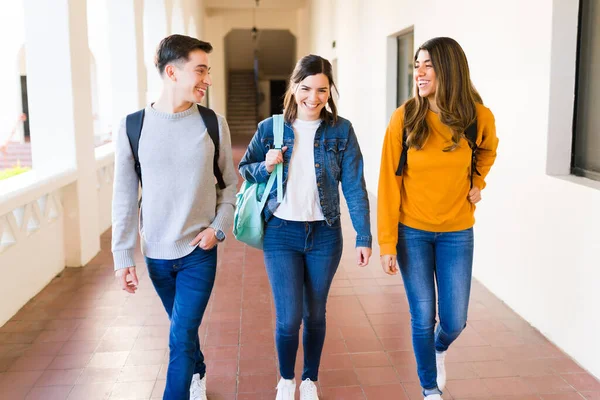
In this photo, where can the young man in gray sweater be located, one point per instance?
(184, 213)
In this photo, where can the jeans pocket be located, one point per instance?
(275, 223)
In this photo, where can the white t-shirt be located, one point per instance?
(301, 200)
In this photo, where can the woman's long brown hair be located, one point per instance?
(455, 95)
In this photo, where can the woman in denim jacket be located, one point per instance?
(303, 236)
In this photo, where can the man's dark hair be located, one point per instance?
(177, 48)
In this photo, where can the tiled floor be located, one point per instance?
(84, 338)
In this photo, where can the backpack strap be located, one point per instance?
(278, 143)
(471, 136)
(133, 127)
(212, 126)
(404, 154)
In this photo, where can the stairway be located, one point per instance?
(241, 103)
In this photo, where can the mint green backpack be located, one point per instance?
(248, 222)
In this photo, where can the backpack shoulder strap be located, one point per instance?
(471, 136)
(404, 153)
(212, 126)
(278, 122)
(133, 126)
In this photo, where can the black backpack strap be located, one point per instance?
(133, 126)
(212, 126)
(471, 136)
(404, 154)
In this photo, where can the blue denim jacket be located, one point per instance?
(337, 159)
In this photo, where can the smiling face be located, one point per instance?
(425, 77)
(191, 78)
(311, 96)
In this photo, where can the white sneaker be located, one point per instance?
(286, 389)
(440, 363)
(198, 388)
(433, 397)
(308, 390)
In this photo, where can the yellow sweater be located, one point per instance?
(432, 194)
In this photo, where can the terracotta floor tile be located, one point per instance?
(32, 363)
(377, 376)
(375, 359)
(92, 391)
(70, 361)
(343, 393)
(14, 392)
(468, 388)
(132, 390)
(138, 373)
(59, 377)
(508, 386)
(26, 378)
(343, 377)
(49, 393)
(257, 383)
(98, 375)
(386, 392)
(582, 382)
(109, 360)
(145, 357)
(548, 384)
(258, 366)
(222, 367)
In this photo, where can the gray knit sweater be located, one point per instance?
(180, 196)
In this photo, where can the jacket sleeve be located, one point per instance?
(355, 191)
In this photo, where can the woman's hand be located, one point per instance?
(388, 263)
(475, 195)
(363, 254)
(274, 157)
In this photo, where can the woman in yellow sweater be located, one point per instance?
(427, 196)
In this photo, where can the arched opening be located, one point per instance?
(258, 66)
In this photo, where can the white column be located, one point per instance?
(155, 29)
(128, 73)
(60, 107)
(11, 40)
(215, 34)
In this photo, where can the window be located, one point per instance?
(586, 139)
(406, 53)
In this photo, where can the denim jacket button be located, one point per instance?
(316, 144)
(317, 165)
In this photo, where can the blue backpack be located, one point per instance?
(248, 221)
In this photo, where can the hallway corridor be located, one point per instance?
(84, 338)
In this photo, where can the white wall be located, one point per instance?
(538, 236)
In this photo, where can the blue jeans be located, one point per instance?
(301, 259)
(426, 259)
(184, 286)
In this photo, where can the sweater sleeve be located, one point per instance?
(486, 150)
(388, 194)
(124, 205)
(225, 197)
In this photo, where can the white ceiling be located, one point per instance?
(265, 4)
